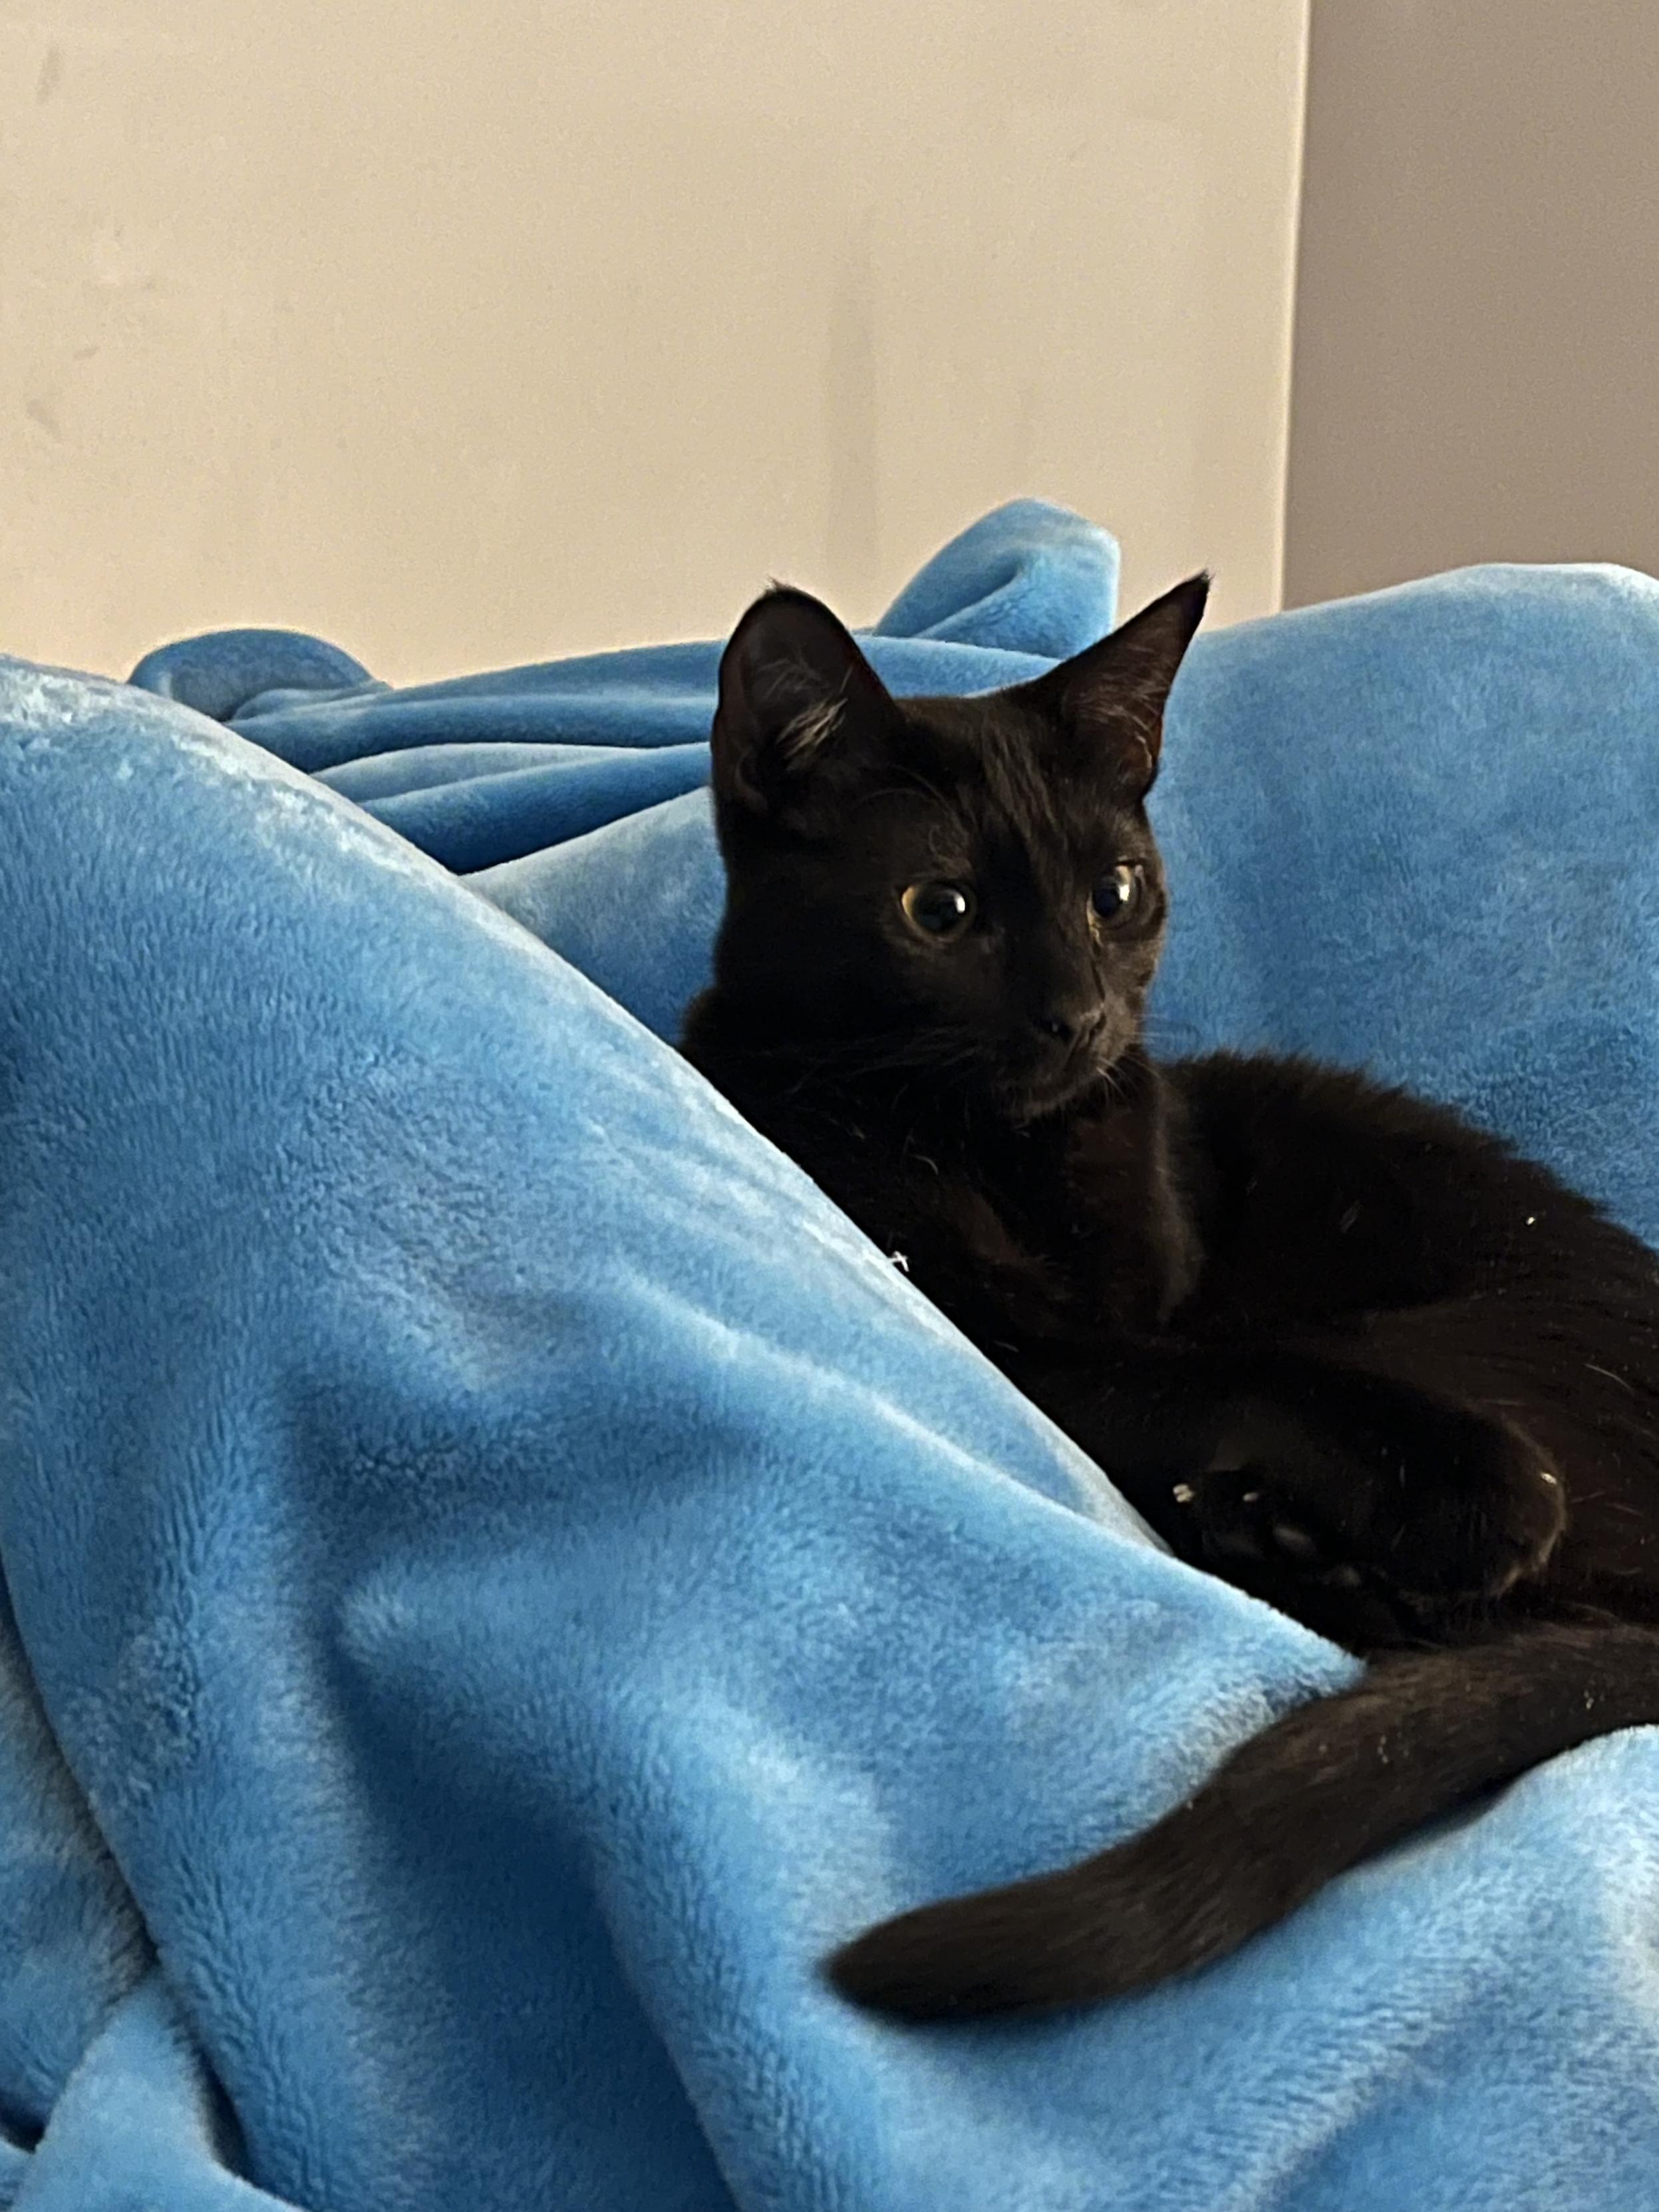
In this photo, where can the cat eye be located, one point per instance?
(1115, 893)
(938, 910)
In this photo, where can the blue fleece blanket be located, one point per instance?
(500, 1575)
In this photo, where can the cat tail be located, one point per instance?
(1287, 1812)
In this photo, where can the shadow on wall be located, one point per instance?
(1478, 292)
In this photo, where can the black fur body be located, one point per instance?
(1335, 1343)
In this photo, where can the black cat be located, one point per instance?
(1335, 1344)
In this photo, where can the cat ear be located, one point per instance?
(794, 689)
(1115, 692)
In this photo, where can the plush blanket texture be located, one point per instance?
(500, 1575)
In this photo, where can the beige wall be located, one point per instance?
(1477, 359)
(467, 334)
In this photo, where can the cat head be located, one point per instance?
(963, 887)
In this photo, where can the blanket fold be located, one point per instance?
(501, 1576)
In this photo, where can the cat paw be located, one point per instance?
(1253, 1530)
(1473, 1540)
(1368, 1545)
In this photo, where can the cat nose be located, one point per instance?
(1064, 1027)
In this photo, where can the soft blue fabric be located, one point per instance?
(502, 1576)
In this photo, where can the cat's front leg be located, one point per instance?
(1349, 1498)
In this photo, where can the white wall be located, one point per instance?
(469, 334)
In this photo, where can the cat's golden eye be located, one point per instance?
(938, 910)
(1116, 893)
